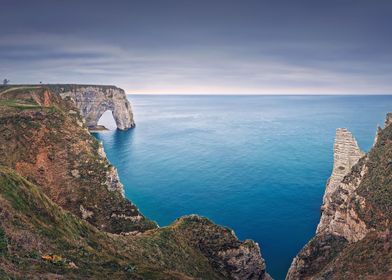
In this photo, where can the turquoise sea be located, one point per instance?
(257, 164)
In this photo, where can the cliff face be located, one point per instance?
(45, 140)
(63, 213)
(346, 155)
(93, 101)
(353, 239)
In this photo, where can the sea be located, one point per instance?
(257, 164)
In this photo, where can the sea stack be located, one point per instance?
(353, 239)
(346, 155)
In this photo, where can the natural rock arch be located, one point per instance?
(107, 121)
(93, 101)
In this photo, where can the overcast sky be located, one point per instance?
(211, 46)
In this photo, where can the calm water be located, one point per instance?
(257, 164)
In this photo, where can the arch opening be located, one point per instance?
(107, 121)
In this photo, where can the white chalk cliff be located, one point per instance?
(354, 236)
(93, 101)
(346, 155)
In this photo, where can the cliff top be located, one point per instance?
(2, 87)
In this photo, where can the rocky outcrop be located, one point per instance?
(353, 239)
(346, 154)
(388, 120)
(232, 258)
(93, 101)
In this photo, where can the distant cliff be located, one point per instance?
(62, 209)
(93, 101)
(353, 239)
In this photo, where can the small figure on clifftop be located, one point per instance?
(6, 82)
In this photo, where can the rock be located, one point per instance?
(113, 181)
(79, 123)
(232, 258)
(93, 101)
(85, 213)
(346, 155)
(72, 265)
(246, 261)
(356, 215)
(388, 120)
(136, 218)
(75, 173)
(101, 151)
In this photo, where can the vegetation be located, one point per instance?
(376, 185)
(78, 249)
(3, 242)
(36, 121)
(19, 104)
(50, 170)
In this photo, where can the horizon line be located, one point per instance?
(215, 92)
(260, 94)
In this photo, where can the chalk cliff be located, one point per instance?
(46, 141)
(346, 155)
(93, 101)
(353, 239)
(63, 213)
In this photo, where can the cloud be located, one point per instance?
(266, 67)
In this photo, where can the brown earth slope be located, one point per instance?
(45, 140)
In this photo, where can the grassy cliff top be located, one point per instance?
(55, 87)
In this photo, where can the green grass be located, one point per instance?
(50, 219)
(376, 186)
(97, 254)
(19, 104)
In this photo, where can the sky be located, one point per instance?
(201, 46)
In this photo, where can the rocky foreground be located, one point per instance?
(63, 214)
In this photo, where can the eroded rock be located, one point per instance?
(352, 241)
(93, 101)
(232, 258)
(346, 154)
(85, 213)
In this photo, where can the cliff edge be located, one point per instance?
(346, 154)
(353, 239)
(91, 101)
(45, 139)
